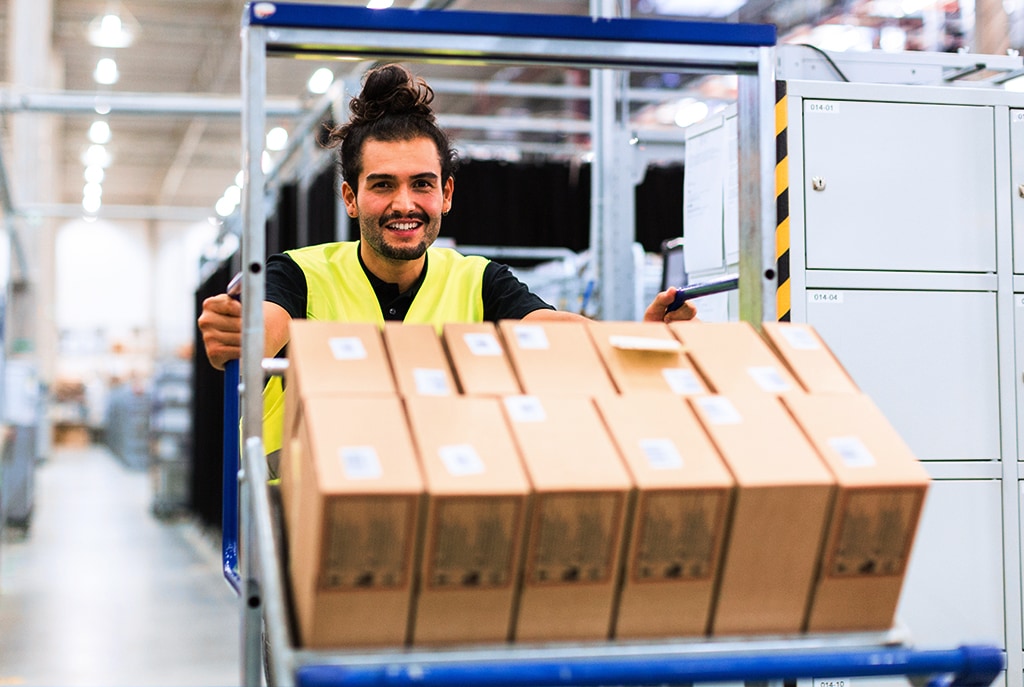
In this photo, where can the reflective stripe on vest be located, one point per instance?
(339, 291)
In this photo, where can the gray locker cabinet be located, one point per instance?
(1017, 192)
(953, 591)
(899, 186)
(927, 358)
(1018, 378)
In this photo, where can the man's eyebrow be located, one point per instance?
(421, 175)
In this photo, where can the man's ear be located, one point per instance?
(449, 190)
(348, 194)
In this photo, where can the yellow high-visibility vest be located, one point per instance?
(339, 291)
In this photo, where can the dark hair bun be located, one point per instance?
(392, 90)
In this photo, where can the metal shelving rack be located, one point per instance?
(251, 561)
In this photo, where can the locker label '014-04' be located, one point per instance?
(367, 542)
(825, 297)
(576, 538)
(473, 543)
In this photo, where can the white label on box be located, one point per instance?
(461, 460)
(525, 409)
(768, 378)
(852, 451)
(482, 344)
(800, 339)
(831, 682)
(431, 381)
(662, 454)
(821, 107)
(682, 381)
(347, 348)
(531, 337)
(827, 297)
(644, 343)
(360, 462)
(719, 410)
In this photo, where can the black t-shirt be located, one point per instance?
(504, 296)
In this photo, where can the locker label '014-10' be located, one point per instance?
(576, 538)
(367, 542)
(678, 535)
(473, 543)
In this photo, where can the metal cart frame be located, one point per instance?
(251, 562)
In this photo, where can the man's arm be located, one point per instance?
(221, 327)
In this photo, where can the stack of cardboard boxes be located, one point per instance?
(584, 481)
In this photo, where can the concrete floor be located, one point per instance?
(101, 592)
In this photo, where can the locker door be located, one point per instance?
(1018, 378)
(927, 358)
(900, 186)
(953, 591)
(1017, 182)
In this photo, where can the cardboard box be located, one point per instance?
(645, 357)
(351, 540)
(677, 532)
(418, 360)
(733, 358)
(478, 359)
(333, 358)
(781, 507)
(574, 541)
(477, 495)
(881, 493)
(555, 358)
(805, 355)
(324, 359)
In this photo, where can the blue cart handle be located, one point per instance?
(229, 504)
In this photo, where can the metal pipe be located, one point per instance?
(160, 213)
(164, 104)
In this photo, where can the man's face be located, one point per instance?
(400, 197)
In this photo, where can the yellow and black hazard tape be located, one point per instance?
(782, 294)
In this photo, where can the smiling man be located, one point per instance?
(398, 168)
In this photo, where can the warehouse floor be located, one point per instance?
(101, 592)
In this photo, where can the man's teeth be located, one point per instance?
(404, 226)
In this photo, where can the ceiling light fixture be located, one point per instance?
(379, 4)
(106, 71)
(277, 139)
(96, 156)
(91, 204)
(94, 174)
(99, 132)
(320, 81)
(116, 28)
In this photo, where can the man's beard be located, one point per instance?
(373, 234)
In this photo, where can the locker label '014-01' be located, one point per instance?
(473, 543)
(822, 107)
(367, 542)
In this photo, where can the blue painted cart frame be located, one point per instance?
(252, 564)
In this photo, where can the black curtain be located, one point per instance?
(323, 208)
(659, 206)
(283, 224)
(208, 412)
